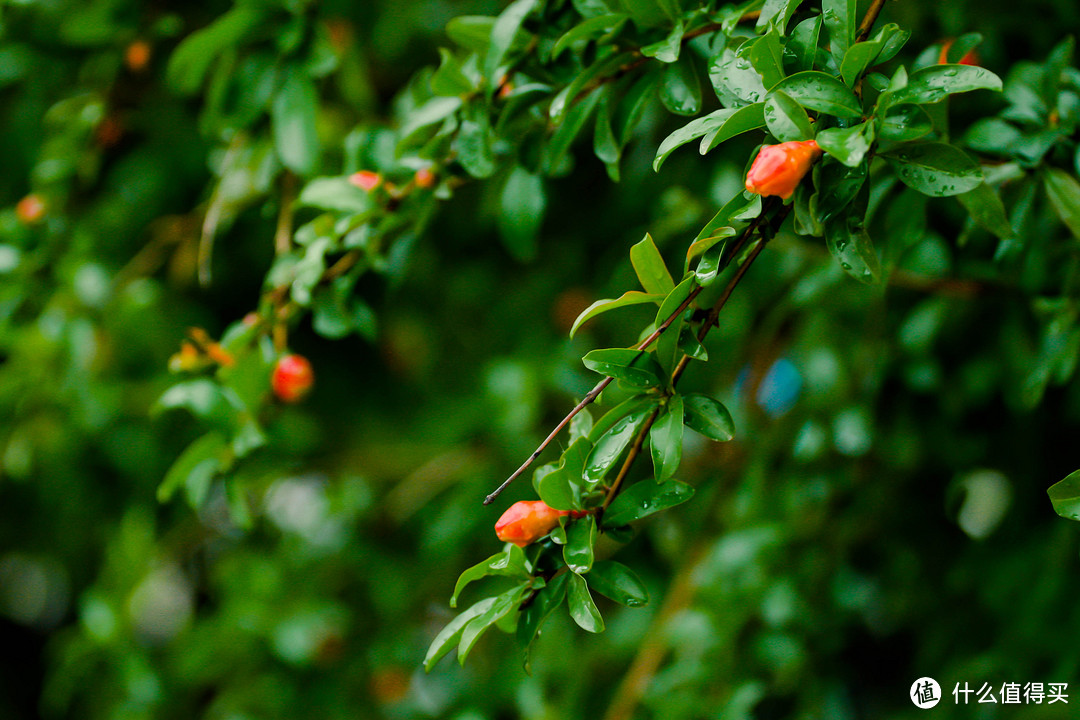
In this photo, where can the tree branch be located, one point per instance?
(590, 397)
(710, 321)
(869, 19)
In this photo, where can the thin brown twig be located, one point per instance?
(710, 321)
(642, 59)
(631, 456)
(590, 397)
(869, 19)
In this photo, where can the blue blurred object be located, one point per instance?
(780, 388)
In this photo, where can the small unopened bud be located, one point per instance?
(366, 180)
(425, 178)
(527, 521)
(969, 58)
(30, 210)
(777, 169)
(292, 378)
(137, 56)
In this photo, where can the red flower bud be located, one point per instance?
(292, 378)
(527, 521)
(777, 169)
(970, 57)
(366, 180)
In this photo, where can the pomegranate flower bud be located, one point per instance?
(366, 180)
(292, 378)
(969, 58)
(527, 521)
(777, 169)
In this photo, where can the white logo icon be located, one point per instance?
(925, 693)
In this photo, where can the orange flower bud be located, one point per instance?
(970, 57)
(777, 169)
(366, 180)
(137, 56)
(425, 178)
(527, 521)
(30, 210)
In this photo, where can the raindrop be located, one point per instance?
(951, 72)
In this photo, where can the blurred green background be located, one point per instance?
(881, 515)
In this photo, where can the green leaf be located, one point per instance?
(450, 80)
(202, 397)
(472, 32)
(767, 57)
(561, 488)
(665, 439)
(607, 24)
(668, 49)
(786, 118)
(689, 132)
(848, 145)
(735, 81)
(504, 604)
(708, 417)
(1065, 496)
(194, 469)
(433, 111)
(580, 541)
(508, 563)
(993, 135)
(293, 115)
(936, 169)
(680, 86)
(633, 297)
(779, 11)
(573, 121)
(192, 58)
(839, 16)
(1064, 194)
(701, 245)
(837, 185)
(636, 367)
(643, 499)
(985, 207)
(649, 267)
(903, 123)
(502, 37)
(745, 119)
(589, 77)
(617, 413)
(521, 211)
(849, 243)
(821, 92)
(667, 345)
(803, 42)
(617, 582)
(582, 608)
(860, 56)
(606, 146)
(336, 194)
(474, 145)
(933, 84)
(450, 634)
(610, 446)
(533, 615)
